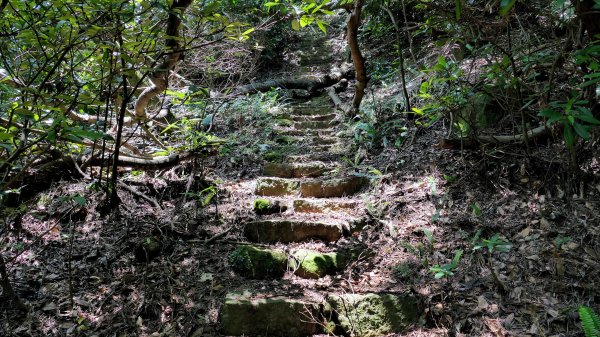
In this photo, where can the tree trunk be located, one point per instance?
(359, 63)
(160, 74)
(590, 17)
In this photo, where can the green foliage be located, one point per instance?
(575, 117)
(261, 204)
(304, 13)
(493, 244)
(447, 269)
(590, 322)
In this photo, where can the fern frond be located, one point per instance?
(590, 322)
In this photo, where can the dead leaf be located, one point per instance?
(495, 327)
(482, 303)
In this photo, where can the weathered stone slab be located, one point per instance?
(271, 231)
(257, 263)
(313, 264)
(332, 187)
(370, 315)
(322, 206)
(262, 315)
(314, 125)
(282, 170)
(321, 117)
(276, 187)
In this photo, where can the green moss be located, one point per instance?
(371, 315)
(257, 263)
(260, 205)
(287, 140)
(311, 264)
(273, 156)
(284, 122)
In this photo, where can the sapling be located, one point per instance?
(493, 244)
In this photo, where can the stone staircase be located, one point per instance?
(310, 207)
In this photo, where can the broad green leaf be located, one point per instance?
(458, 9)
(321, 26)
(506, 6)
(295, 25)
(6, 136)
(587, 116)
(581, 130)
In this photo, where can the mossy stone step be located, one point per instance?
(285, 231)
(303, 133)
(370, 315)
(314, 125)
(282, 170)
(329, 188)
(275, 187)
(258, 263)
(323, 206)
(264, 315)
(309, 118)
(312, 264)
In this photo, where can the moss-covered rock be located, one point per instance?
(257, 263)
(265, 207)
(244, 314)
(276, 187)
(333, 187)
(284, 122)
(369, 315)
(313, 264)
(271, 231)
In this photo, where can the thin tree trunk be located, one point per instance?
(359, 63)
(160, 74)
(590, 17)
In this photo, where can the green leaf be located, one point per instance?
(581, 130)
(295, 25)
(321, 26)
(586, 115)
(506, 6)
(6, 136)
(568, 135)
(458, 9)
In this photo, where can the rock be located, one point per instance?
(271, 231)
(261, 315)
(322, 117)
(299, 170)
(314, 125)
(276, 187)
(147, 250)
(332, 187)
(322, 206)
(257, 263)
(313, 264)
(265, 207)
(369, 315)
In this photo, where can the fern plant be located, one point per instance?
(590, 322)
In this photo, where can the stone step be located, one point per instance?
(267, 315)
(298, 170)
(359, 315)
(302, 117)
(285, 231)
(318, 188)
(328, 188)
(309, 132)
(315, 124)
(324, 206)
(255, 262)
(275, 187)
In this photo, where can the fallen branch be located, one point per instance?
(535, 133)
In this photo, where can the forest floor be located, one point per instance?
(83, 274)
